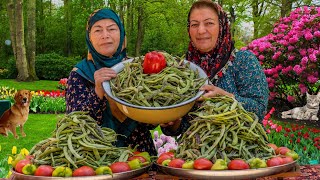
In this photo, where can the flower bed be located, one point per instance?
(42, 101)
(302, 139)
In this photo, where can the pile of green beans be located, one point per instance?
(174, 84)
(79, 141)
(222, 129)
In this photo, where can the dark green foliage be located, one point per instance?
(53, 66)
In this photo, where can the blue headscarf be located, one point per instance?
(95, 61)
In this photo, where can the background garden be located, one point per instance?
(285, 39)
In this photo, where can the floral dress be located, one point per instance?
(81, 96)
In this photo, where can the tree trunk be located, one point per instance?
(286, 7)
(121, 7)
(21, 61)
(140, 31)
(40, 27)
(68, 15)
(255, 15)
(129, 27)
(31, 39)
(232, 20)
(12, 26)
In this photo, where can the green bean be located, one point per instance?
(221, 128)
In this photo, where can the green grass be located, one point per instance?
(33, 86)
(37, 128)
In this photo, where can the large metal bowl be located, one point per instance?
(227, 174)
(153, 115)
(124, 175)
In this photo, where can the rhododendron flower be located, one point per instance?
(290, 98)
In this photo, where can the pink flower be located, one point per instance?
(290, 98)
(291, 57)
(308, 35)
(303, 88)
(297, 69)
(290, 48)
(274, 126)
(268, 131)
(313, 57)
(293, 40)
(261, 57)
(279, 128)
(303, 52)
(304, 61)
(317, 34)
(312, 79)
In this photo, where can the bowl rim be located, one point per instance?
(107, 88)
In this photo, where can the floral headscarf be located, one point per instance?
(215, 62)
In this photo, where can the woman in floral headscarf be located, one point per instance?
(233, 73)
(105, 38)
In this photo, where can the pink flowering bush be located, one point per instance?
(290, 56)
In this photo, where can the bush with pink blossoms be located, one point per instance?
(164, 143)
(290, 56)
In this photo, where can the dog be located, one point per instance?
(17, 115)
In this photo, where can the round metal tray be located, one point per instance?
(123, 175)
(227, 174)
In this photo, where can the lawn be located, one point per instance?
(33, 86)
(37, 128)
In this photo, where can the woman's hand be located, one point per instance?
(211, 91)
(173, 125)
(101, 75)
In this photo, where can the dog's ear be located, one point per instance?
(16, 96)
(30, 95)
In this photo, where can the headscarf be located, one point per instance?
(214, 62)
(95, 61)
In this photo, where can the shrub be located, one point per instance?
(53, 66)
(290, 56)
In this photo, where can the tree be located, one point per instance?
(15, 13)
(31, 39)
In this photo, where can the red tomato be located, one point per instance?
(30, 157)
(119, 167)
(176, 163)
(84, 171)
(282, 150)
(274, 161)
(287, 159)
(142, 159)
(21, 164)
(170, 153)
(136, 152)
(273, 146)
(163, 157)
(238, 164)
(153, 62)
(44, 170)
(202, 164)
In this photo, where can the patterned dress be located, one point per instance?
(81, 96)
(247, 81)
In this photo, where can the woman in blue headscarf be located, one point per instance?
(105, 38)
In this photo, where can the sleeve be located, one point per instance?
(81, 96)
(251, 84)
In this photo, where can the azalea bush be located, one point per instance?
(302, 139)
(164, 143)
(42, 101)
(290, 55)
